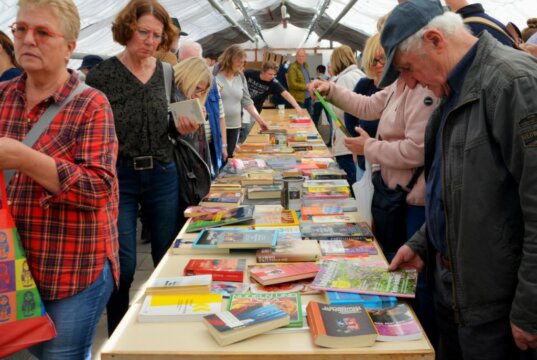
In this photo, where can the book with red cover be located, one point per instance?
(283, 272)
(220, 269)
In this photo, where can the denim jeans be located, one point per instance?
(76, 319)
(156, 190)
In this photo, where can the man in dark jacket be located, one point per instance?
(481, 171)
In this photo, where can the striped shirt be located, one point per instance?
(67, 235)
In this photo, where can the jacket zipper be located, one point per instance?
(458, 318)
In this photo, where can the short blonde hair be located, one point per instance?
(189, 73)
(372, 47)
(231, 53)
(65, 12)
(342, 57)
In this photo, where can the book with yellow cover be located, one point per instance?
(179, 307)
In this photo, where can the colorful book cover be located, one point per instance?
(220, 198)
(302, 286)
(349, 276)
(236, 239)
(334, 219)
(226, 288)
(308, 212)
(347, 247)
(178, 307)
(325, 174)
(290, 251)
(360, 231)
(220, 269)
(369, 301)
(276, 218)
(199, 210)
(221, 218)
(282, 272)
(288, 302)
(338, 326)
(396, 323)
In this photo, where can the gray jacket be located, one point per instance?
(489, 175)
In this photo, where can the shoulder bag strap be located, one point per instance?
(167, 68)
(414, 178)
(491, 24)
(43, 122)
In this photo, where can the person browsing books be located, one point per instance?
(403, 111)
(133, 81)
(64, 191)
(481, 155)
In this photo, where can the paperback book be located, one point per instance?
(347, 247)
(226, 288)
(236, 239)
(222, 198)
(180, 285)
(220, 269)
(283, 272)
(396, 323)
(369, 301)
(302, 286)
(290, 251)
(178, 307)
(307, 212)
(232, 326)
(276, 218)
(221, 218)
(288, 302)
(184, 247)
(340, 326)
(358, 231)
(349, 276)
(198, 210)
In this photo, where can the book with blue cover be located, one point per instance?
(236, 239)
(368, 301)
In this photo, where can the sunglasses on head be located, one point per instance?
(41, 33)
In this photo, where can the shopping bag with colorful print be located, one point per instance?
(23, 320)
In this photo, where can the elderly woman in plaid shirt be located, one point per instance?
(64, 193)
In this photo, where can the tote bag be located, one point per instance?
(23, 320)
(363, 192)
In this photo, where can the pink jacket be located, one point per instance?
(403, 115)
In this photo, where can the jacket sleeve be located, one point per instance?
(361, 106)
(516, 135)
(293, 81)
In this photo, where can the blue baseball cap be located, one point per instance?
(89, 61)
(405, 20)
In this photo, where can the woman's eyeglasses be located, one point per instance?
(41, 33)
(144, 34)
(379, 61)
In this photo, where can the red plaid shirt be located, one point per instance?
(67, 235)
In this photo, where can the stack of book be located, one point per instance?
(326, 189)
(350, 231)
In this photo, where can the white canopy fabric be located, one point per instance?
(205, 24)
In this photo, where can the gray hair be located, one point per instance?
(189, 49)
(449, 23)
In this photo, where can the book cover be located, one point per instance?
(264, 192)
(221, 218)
(184, 247)
(189, 108)
(325, 174)
(359, 231)
(301, 286)
(396, 323)
(340, 326)
(197, 284)
(276, 218)
(290, 251)
(308, 212)
(368, 301)
(349, 276)
(198, 210)
(231, 326)
(222, 198)
(236, 239)
(288, 302)
(282, 272)
(347, 247)
(220, 269)
(226, 288)
(178, 307)
(334, 219)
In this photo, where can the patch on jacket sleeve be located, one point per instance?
(528, 127)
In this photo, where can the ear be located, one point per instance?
(435, 38)
(71, 46)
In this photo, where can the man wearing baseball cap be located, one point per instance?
(481, 171)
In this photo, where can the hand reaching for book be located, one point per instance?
(322, 86)
(406, 258)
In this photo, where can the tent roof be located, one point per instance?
(201, 20)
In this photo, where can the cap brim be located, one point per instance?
(390, 74)
(182, 33)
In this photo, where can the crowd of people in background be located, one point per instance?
(456, 128)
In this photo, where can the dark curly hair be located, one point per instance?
(125, 23)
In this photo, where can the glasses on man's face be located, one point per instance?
(41, 33)
(145, 34)
(381, 60)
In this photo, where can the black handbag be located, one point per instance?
(389, 211)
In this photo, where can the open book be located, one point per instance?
(189, 108)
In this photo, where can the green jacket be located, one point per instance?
(489, 177)
(296, 81)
